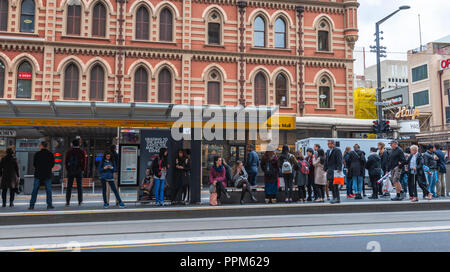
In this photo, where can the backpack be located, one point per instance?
(304, 167)
(286, 168)
(73, 166)
(268, 169)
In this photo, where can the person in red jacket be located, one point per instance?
(217, 177)
(75, 162)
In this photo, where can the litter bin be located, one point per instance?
(28, 184)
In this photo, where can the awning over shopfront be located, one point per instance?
(311, 122)
(102, 114)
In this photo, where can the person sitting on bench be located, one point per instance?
(240, 180)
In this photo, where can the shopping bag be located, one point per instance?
(387, 185)
(281, 182)
(213, 199)
(339, 178)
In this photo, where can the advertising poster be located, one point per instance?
(151, 142)
(129, 165)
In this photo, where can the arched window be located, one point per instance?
(325, 92)
(141, 85)
(259, 35)
(260, 89)
(71, 82)
(3, 15)
(2, 79)
(280, 33)
(166, 25)
(165, 86)
(99, 20)
(214, 28)
(24, 80)
(97, 83)
(73, 17)
(142, 24)
(281, 89)
(323, 36)
(214, 87)
(27, 16)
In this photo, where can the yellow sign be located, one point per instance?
(407, 112)
(279, 122)
(364, 103)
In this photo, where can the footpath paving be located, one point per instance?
(92, 209)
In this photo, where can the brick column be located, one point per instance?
(242, 5)
(301, 103)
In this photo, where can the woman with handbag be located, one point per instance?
(9, 171)
(240, 180)
(217, 178)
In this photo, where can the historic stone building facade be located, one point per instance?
(294, 53)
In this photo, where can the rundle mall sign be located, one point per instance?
(407, 113)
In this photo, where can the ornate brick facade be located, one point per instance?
(317, 75)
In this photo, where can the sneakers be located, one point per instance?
(397, 198)
(335, 201)
(351, 196)
(31, 208)
(358, 196)
(105, 206)
(122, 205)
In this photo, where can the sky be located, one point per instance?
(401, 32)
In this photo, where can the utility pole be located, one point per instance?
(381, 52)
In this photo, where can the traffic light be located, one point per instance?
(375, 127)
(385, 127)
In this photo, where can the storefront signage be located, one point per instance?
(7, 133)
(407, 112)
(28, 145)
(410, 126)
(394, 101)
(23, 75)
(445, 64)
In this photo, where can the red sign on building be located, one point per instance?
(23, 75)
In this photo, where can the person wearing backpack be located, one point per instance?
(269, 165)
(373, 165)
(302, 169)
(286, 163)
(75, 162)
(159, 167)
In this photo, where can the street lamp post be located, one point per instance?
(381, 50)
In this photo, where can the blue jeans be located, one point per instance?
(432, 181)
(48, 189)
(159, 190)
(358, 184)
(348, 183)
(252, 176)
(113, 188)
(404, 182)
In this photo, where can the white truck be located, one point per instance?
(342, 143)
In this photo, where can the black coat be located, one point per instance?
(43, 163)
(373, 165)
(9, 171)
(357, 160)
(396, 158)
(182, 175)
(385, 161)
(419, 168)
(333, 160)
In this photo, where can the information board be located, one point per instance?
(129, 165)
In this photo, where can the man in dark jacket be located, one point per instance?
(333, 162)
(430, 159)
(43, 163)
(310, 181)
(75, 162)
(395, 164)
(373, 165)
(440, 186)
(356, 169)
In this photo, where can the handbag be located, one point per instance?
(339, 178)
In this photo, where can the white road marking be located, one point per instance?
(224, 238)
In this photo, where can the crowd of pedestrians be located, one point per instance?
(314, 174)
